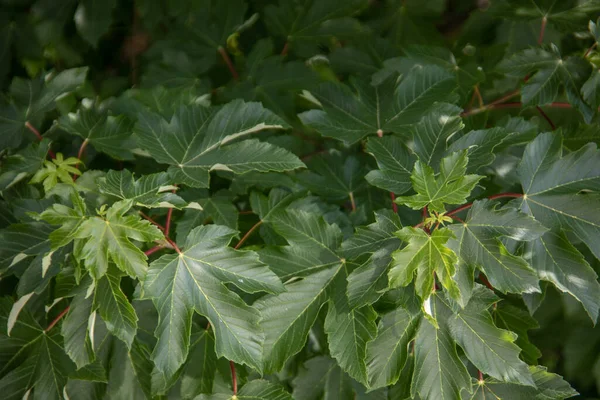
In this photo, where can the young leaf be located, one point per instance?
(450, 186)
(424, 256)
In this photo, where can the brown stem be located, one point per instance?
(480, 376)
(546, 117)
(352, 201)
(485, 281)
(542, 30)
(168, 223)
(592, 47)
(153, 250)
(247, 235)
(227, 60)
(233, 377)
(285, 49)
(174, 245)
(479, 98)
(79, 155)
(246, 212)
(153, 222)
(394, 205)
(39, 136)
(493, 197)
(58, 317)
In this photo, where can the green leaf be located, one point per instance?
(194, 141)
(76, 329)
(591, 90)
(556, 260)
(439, 373)
(256, 389)
(69, 219)
(518, 321)
(490, 349)
(450, 186)
(349, 114)
(373, 237)
(321, 378)
(199, 371)
(477, 243)
(334, 176)
(149, 191)
(395, 164)
(93, 19)
(22, 164)
(55, 171)
(553, 186)
(193, 281)
(38, 362)
(481, 146)
(387, 354)
(432, 133)
(548, 386)
(107, 133)
(287, 318)
(348, 331)
(552, 72)
(424, 256)
(29, 101)
(107, 237)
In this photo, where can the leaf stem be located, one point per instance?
(542, 30)
(592, 47)
(80, 154)
(546, 117)
(480, 376)
(485, 281)
(286, 48)
(58, 318)
(352, 201)
(493, 197)
(233, 377)
(227, 60)
(153, 250)
(168, 223)
(153, 222)
(394, 205)
(247, 235)
(39, 136)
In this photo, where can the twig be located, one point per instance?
(58, 317)
(227, 60)
(233, 377)
(247, 235)
(168, 223)
(39, 136)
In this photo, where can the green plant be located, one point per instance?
(390, 199)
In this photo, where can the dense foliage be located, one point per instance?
(307, 199)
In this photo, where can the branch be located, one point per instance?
(227, 60)
(58, 318)
(247, 235)
(39, 136)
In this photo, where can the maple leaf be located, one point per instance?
(450, 186)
